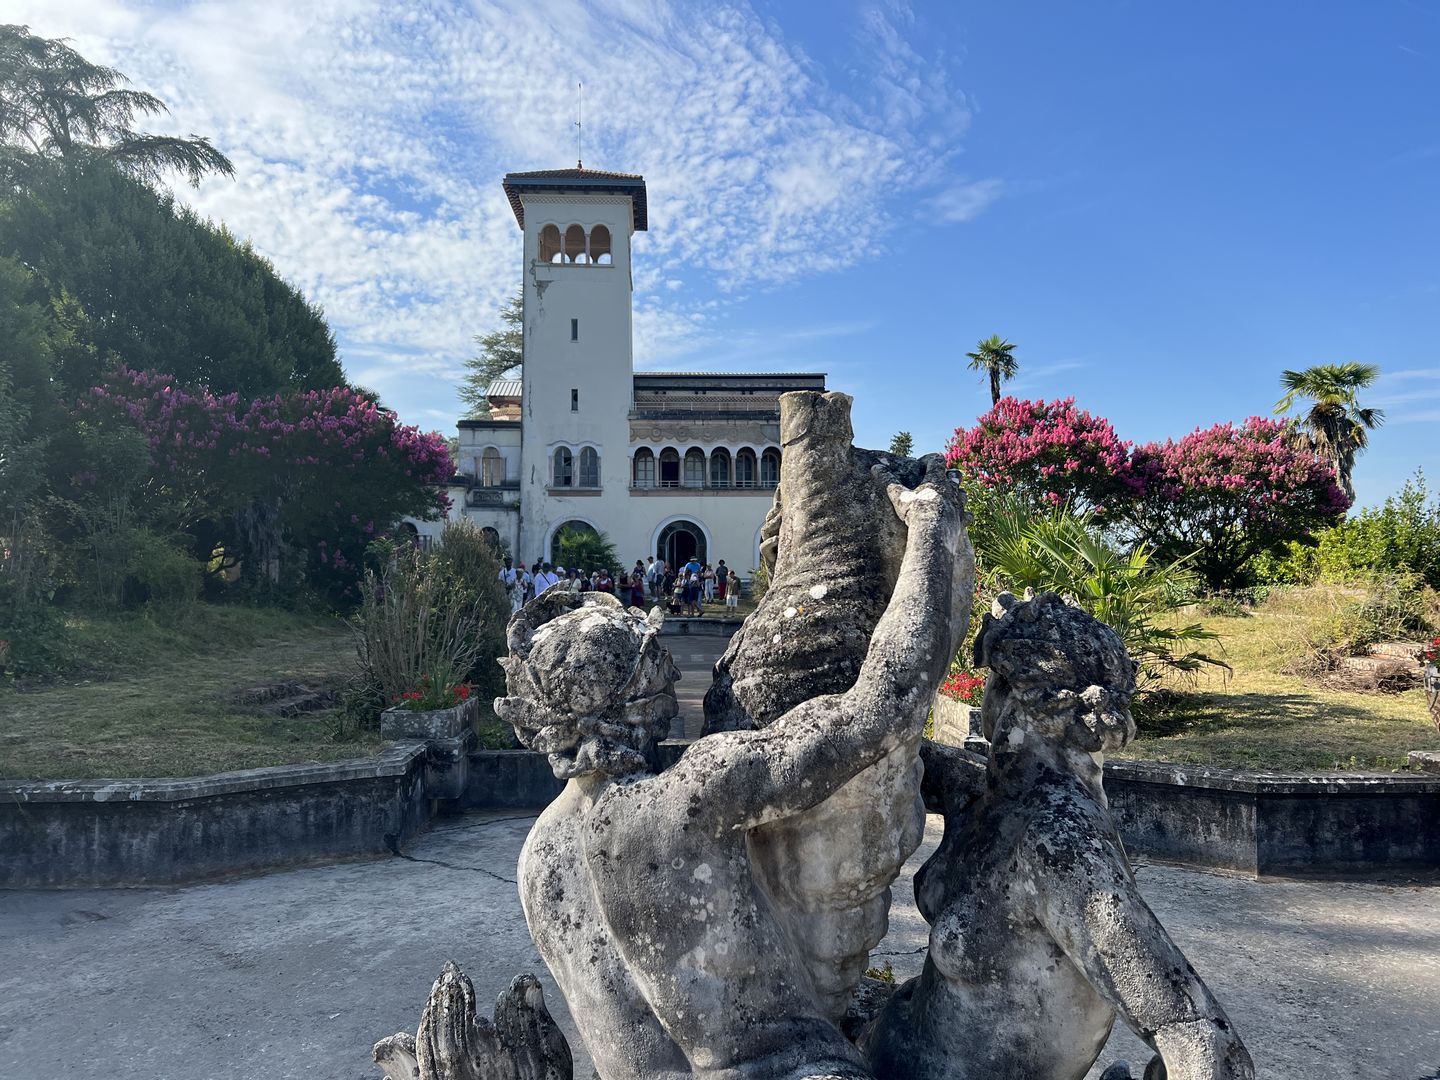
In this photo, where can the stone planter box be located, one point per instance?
(449, 737)
(955, 722)
(398, 723)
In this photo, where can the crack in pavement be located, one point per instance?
(482, 824)
(452, 866)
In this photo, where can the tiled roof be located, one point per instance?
(630, 184)
(503, 388)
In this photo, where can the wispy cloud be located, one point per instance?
(369, 140)
(966, 200)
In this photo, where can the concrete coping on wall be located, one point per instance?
(1262, 783)
(394, 760)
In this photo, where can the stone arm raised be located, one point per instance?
(747, 778)
(1089, 903)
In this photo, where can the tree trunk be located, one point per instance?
(995, 386)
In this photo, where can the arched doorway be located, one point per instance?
(679, 541)
(575, 542)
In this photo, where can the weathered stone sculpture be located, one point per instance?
(1039, 936)
(522, 1042)
(641, 890)
(833, 546)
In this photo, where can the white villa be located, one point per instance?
(668, 463)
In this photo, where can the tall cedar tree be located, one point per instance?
(501, 352)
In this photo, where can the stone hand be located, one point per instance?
(935, 494)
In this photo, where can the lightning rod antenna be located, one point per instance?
(579, 121)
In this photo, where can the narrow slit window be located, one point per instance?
(574, 400)
(574, 329)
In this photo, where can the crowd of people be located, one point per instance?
(683, 590)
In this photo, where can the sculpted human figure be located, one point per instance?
(833, 547)
(639, 888)
(1039, 936)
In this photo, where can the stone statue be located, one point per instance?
(1039, 936)
(641, 890)
(521, 1043)
(833, 548)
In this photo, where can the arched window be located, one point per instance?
(770, 468)
(669, 467)
(575, 244)
(589, 468)
(694, 467)
(564, 468)
(550, 244)
(600, 245)
(492, 468)
(644, 470)
(492, 537)
(720, 468)
(745, 468)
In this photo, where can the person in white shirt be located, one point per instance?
(545, 579)
(514, 582)
(655, 577)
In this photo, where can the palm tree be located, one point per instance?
(1335, 426)
(994, 355)
(56, 105)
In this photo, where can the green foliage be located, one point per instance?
(996, 357)
(583, 549)
(903, 444)
(56, 106)
(1403, 535)
(501, 352)
(164, 289)
(1335, 425)
(469, 560)
(1388, 607)
(1060, 551)
(429, 615)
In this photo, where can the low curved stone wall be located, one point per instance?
(68, 834)
(1327, 825)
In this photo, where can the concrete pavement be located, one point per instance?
(296, 974)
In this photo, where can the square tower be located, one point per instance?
(578, 391)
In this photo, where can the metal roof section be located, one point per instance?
(503, 388)
(573, 180)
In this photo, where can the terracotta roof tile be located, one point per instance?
(632, 184)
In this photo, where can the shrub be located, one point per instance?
(416, 620)
(1062, 552)
(1049, 452)
(584, 549)
(1403, 535)
(1391, 607)
(1228, 493)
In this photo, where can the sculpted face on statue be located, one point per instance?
(1049, 678)
(590, 684)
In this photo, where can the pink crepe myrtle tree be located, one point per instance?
(317, 473)
(1227, 493)
(1046, 452)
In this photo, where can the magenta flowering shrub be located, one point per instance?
(317, 472)
(1229, 492)
(1220, 495)
(1048, 451)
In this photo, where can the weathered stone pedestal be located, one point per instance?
(449, 737)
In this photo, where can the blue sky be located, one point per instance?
(1163, 205)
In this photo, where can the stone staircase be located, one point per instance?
(286, 699)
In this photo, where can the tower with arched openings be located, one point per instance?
(668, 463)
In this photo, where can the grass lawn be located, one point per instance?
(158, 699)
(1261, 718)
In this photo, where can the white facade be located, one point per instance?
(660, 463)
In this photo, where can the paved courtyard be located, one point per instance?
(295, 974)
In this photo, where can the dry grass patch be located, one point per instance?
(1259, 717)
(163, 702)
